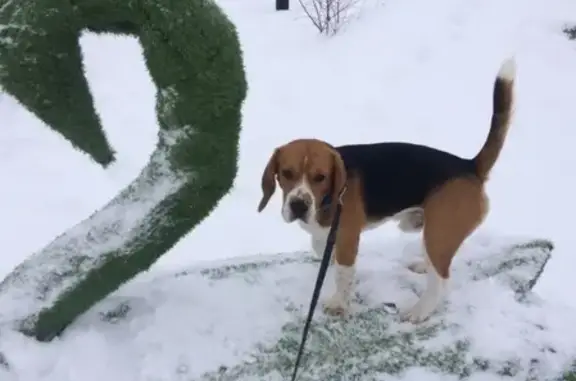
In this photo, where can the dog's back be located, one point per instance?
(396, 176)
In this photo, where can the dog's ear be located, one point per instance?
(338, 175)
(269, 180)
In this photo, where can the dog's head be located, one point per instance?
(308, 171)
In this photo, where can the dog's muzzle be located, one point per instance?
(299, 208)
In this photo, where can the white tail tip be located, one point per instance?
(508, 70)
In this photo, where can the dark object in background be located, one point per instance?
(282, 5)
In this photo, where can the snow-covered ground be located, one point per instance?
(411, 70)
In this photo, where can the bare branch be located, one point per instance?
(328, 16)
(315, 20)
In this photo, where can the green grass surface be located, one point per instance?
(193, 55)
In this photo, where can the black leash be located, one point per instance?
(330, 241)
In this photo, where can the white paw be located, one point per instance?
(418, 266)
(336, 305)
(430, 298)
(417, 314)
(428, 302)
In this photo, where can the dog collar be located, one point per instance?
(328, 199)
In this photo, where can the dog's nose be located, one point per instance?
(298, 207)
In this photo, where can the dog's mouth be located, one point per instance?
(293, 219)
(302, 218)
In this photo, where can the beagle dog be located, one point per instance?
(419, 187)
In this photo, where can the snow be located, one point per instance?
(152, 329)
(409, 70)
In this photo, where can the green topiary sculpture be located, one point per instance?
(194, 57)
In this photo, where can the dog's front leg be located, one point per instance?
(344, 270)
(339, 302)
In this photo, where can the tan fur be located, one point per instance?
(268, 181)
(352, 221)
(451, 214)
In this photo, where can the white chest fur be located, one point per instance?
(318, 235)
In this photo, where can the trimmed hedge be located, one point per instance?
(194, 58)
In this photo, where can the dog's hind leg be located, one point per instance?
(451, 214)
(412, 221)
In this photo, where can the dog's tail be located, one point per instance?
(501, 115)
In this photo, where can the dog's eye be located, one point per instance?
(287, 174)
(318, 178)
